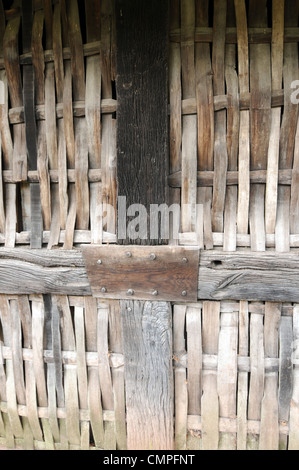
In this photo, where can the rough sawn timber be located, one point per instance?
(221, 275)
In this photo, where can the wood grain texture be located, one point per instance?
(142, 273)
(148, 383)
(142, 144)
(221, 276)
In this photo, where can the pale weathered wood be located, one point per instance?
(221, 275)
(118, 378)
(148, 382)
(277, 51)
(180, 378)
(260, 82)
(220, 144)
(269, 434)
(256, 382)
(294, 412)
(194, 347)
(285, 374)
(227, 373)
(242, 378)
(175, 94)
(210, 399)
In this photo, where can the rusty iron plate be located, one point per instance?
(142, 273)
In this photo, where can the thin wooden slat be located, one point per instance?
(277, 51)
(31, 399)
(11, 61)
(104, 368)
(17, 361)
(52, 150)
(175, 125)
(285, 375)
(204, 94)
(38, 318)
(30, 127)
(93, 113)
(82, 374)
(180, 378)
(59, 78)
(194, 347)
(242, 378)
(295, 187)
(256, 382)
(210, 399)
(118, 379)
(15, 90)
(220, 146)
(227, 373)
(231, 79)
(51, 371)
(68, 132)
(269, 434)
(288, 131)
(205, 120)
(94, 391)
(5, 137)
(14, 419)
(294, 411)
(42, 161)
(189, 123)
(260, 83)
(79, 87)
(70, 374)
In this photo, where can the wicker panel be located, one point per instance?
(62, 386)
(231, 110)
(62, 375)
(236, 376)
(72, 56)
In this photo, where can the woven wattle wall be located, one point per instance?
(234, 156)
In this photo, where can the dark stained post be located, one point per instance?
(142, 116)
(142, 161)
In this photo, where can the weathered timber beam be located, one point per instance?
(240, 275)
(267, 276)
(255, 35)
(43, 272)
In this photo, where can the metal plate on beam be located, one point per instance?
(142, 273)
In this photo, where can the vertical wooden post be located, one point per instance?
(142, 155)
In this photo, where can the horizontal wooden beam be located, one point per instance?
(267, 276)
(255, 35)
(240, 275)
